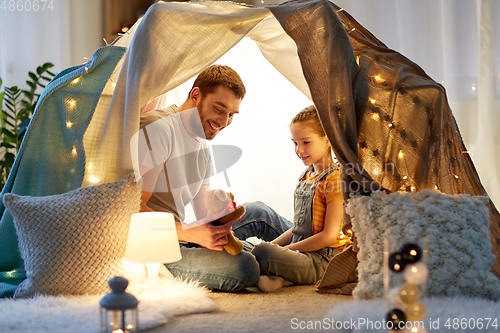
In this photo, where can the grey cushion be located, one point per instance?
(460, 257)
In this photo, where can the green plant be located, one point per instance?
(20, 105)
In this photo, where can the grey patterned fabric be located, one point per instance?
(72, 243)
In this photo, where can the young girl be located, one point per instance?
(301, 254)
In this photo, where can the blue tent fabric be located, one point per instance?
(51, 159)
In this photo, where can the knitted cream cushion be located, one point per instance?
(460, 255)
(72, 243)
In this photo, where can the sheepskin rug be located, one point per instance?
(80, 314)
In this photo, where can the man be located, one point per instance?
(175, 167)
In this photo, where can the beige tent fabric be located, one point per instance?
(172, 43)
(280, 50)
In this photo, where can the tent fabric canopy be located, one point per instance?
(389, 123)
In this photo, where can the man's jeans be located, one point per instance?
(220, 270)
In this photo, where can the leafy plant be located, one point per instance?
(20, 105)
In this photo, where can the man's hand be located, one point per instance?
(205, 234)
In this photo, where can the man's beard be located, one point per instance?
(197, 123)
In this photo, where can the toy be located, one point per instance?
(221, 205)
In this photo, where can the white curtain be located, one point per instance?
(63, 35)
(456, 42)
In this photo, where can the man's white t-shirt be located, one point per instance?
(183, 162)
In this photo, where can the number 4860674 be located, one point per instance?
(26, 5)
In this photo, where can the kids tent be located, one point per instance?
(375, 104)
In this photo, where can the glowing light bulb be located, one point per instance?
(75, 81)
(69, 124)
(390, 125)
(73, 151)
(405, 177)
(456, 176)
(372, 100)
(415, 329)
(416, 273)
(401, 155)
(416, 311)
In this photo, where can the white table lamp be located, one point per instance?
(152, 239)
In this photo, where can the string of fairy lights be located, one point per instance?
(407, 184)
(71, 107)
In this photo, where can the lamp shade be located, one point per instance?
(152, 238)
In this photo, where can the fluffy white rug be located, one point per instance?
(80, 314)
(447, 314)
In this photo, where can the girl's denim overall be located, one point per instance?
(294, 266)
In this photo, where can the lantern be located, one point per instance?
(119, 309)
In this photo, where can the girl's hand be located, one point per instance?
(331, 229)
(207, 235)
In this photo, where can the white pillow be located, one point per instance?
(460, 257)
(72, 243)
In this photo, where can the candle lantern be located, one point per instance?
(119, 309)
